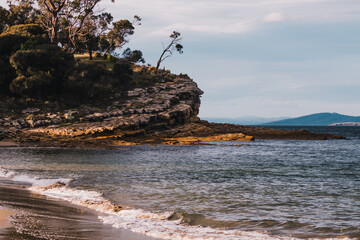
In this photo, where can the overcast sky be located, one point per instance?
(267, 58)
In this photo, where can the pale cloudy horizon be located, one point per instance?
(261, 58)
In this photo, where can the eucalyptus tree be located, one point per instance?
(119, 34)
(79, 19)
(174, 45)
(88, 38)
(22, 13)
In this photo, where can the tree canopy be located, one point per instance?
(76, 25)
(38, 40)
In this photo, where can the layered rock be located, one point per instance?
(160, 106)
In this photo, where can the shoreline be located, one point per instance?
(38, 216)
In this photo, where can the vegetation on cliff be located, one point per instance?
(43, 60)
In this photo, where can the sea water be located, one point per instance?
(267, 189)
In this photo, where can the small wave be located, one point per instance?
(33, 180)
(91, 199)
(160, 227)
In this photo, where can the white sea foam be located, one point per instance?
(137, 220)
(33, 180)
(160, 227)
(141, 221)
(91, 199)
(4, 173)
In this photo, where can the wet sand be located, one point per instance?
(37, 217)
(8, 144)
(4, 218)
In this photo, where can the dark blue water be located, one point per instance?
(305, 189)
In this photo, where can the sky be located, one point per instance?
(266, 58)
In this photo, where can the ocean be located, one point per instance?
(266, 189)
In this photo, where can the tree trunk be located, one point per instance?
(90, 53)
(54, 23)
(158, 64)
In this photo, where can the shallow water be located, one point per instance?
(260, 190)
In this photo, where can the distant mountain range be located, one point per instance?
(318, 119)
(245, 120)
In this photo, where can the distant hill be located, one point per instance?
(318, 119)
(244, 120)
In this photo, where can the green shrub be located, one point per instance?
(26, 30)
(88, 80)
(97, 55)
(135, 56)
(39, 84)
(10, 43)
(121, 68)
(24, 36)
(7, 74)
(147, 76)
(29, 44)
(110, 58)
(40, 71)
(122, 75)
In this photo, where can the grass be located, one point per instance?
(85, 59)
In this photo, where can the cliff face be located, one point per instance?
(156, 107)
(159, 107)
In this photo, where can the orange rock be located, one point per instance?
(193, 140)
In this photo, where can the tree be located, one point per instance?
(23, 13)
(133, 56)
(117, 37)
(4, 13)
(74, 24)
(174, 45)
(50, 13)
(80, 20)
(71, 12)
(94, 26)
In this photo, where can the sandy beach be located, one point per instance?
(38, 217)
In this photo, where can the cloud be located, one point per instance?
(273, 17)
(231, 28)
(231, 16)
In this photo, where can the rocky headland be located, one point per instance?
(165, 113)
